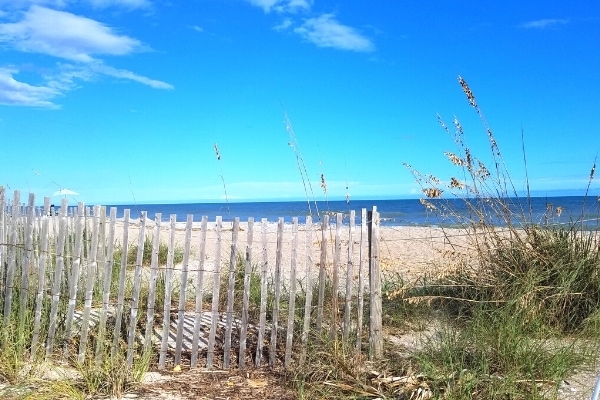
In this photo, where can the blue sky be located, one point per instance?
(124, 100)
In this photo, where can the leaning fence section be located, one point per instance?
(85, 285)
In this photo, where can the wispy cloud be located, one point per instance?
(124, 74)
(544, 23)
(282, 6)
(43, 30)
(79, 40)
(13, 92)
(127, 4)
(326, 31)
(131, 4)
(285, 24)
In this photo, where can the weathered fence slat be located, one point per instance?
(246, 294)
(101, 251)
(263, 293)
(183, 288)
(74, 273)
(231, 292)
(276, 294)
(91, 279)
(210, 353)
(3, 239)
(137, 282)
(309, 289)
(122, 276)
(12, 257)
(108, 268)
(152, 289)
(361, 265)
(292, 298)
(164, 346)
(199, 292)
(322, 271)
(376, 333)
(58, 274)
(349, 275)
(335, 282)
(27, 262)
(41, 290)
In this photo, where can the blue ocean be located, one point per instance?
(404, 212)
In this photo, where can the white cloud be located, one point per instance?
(128, 4)
(131, 4)
(21, 4)
(124, 74)
(544, 23)
(65, 35)
(326, 31)
(198, 28)
(292, 6)
(285, 24)
(282, 6)
(15, 93)
(266, 5)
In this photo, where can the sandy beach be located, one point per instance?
(407, 251)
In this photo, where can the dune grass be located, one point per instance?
(515, 315)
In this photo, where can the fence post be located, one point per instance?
(376, 334)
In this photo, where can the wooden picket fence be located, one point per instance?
(69, 285)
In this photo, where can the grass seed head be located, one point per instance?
(432, 193)
(454, 159)
(427, 204)
(456, 184)
(458, 127)
(468, 92)
(482, 172)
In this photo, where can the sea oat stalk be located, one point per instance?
(218, 154)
